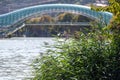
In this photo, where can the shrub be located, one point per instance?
(92, 56)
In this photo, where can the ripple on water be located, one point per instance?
(16, 55)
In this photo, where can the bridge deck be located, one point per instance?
(47, 24)
(61, 23)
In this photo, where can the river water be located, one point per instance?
(16, 55)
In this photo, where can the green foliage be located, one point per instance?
(69, 17)
(114, 7)
(65, 17)
(80, 18)
(42, 19)
(89, 57)
(114, 27)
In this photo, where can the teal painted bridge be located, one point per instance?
(17, 16)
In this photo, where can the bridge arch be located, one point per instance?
(15, 16)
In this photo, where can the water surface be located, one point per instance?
(16, 55)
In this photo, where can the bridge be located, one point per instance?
(16, 18)
(18, 15)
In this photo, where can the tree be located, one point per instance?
(114, 27)
(114, 8)
(80, 18)
(46, 18)
(65, 17)
(93, 56)
(43, 19)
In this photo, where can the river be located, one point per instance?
(16, 55)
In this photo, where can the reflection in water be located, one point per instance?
(16, 55)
